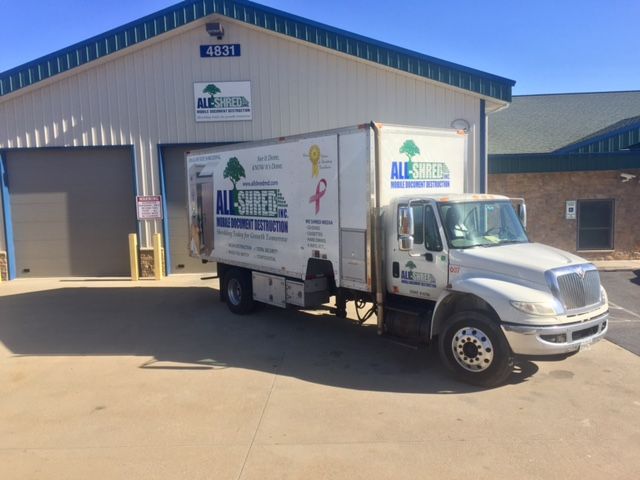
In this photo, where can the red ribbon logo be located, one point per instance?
(319, 194)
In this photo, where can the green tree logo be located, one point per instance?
(410, 149)
(410, 265)
(211, 89)
(234, 171)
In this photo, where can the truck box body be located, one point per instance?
(378, 215)
(273, 205)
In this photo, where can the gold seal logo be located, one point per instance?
(314, 157)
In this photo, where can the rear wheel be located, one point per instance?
(238, 291)
(474, 348)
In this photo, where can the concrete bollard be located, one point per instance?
(133, 257)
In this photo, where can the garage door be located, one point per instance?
(72, 210)
(176, 197)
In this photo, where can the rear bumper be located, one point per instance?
(557, 339)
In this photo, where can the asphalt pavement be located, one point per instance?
(623, 288)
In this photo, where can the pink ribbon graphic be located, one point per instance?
(319, 194)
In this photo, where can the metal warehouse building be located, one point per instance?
(88, 129)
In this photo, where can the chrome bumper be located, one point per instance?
(557, 339)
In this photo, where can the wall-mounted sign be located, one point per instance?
(570, 212)
(149, 207)
(222, 101)
(215, 51)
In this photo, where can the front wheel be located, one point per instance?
(238, 291)
(474, 348)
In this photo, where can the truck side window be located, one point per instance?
(432, 240)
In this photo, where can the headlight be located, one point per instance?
(543, 309)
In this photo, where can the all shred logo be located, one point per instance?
(232, 205)
(213, 98)
(410, 277)
(418, 174)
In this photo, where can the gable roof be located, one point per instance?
(560, 122)
(271, 19)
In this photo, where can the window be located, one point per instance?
(432, 240)
(595, 224)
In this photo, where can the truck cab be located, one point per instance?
(492, 294)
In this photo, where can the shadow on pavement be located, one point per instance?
(188, 328)
(636, 280)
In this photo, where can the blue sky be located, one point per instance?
(546, 46)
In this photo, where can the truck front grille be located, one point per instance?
(578, 288)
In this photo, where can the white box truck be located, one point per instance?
(379, 215)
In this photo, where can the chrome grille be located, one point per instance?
(577, 291)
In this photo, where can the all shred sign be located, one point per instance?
(222, 101)
(417, 173)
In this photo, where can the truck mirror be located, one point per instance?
(522, 214)
(405, 221)
(405, 243)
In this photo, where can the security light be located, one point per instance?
(215, 30)
(461, 124)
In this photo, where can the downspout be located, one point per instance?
(377, 228)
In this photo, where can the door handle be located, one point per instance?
(428, 257)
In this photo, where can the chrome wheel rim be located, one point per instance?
(472, 349)
(234, 291)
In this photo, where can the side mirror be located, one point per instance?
(405, 221)
(405, 243)
(522, 214)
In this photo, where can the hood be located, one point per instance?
(527, 261)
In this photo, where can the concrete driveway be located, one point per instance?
(101, 379)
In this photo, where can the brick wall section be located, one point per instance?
(4, 266)
(546, 194)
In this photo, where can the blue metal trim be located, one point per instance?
(268, 18)
(8, 223)
(575, 147)
(165, 212)
(135, 193)
(483, 147)
(573, 162)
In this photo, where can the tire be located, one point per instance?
(474, 348)
(238, 291)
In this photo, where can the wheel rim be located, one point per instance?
(234, 291)
(472, 349)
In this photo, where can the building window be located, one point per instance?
(595, 224)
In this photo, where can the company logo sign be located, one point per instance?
(418, 174)
(233, 206)
(222, 101)
(410, 277)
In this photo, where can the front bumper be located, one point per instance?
(557, 339)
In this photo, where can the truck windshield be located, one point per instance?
(481, 224)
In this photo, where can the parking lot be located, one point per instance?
(105, 379)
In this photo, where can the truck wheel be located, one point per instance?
(474, 348)
(238, 291)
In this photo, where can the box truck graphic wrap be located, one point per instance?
(274, 205)
(423, 161)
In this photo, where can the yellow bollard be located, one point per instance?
(157, 256)
(133, 257)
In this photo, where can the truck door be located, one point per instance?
(422, 272)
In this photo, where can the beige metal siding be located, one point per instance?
(144, 97)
